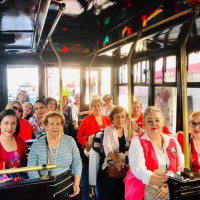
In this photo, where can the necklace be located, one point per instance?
(52, 154)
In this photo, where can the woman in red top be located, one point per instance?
(25, 132)
(89, 126)
(137, 121)
(12, 148)
(194, 139)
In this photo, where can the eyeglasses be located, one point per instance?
(97, 106)
(107, 99)
(16, 108)
(194, 124)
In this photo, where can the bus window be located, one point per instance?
(194, 67)
(123, 96)
(71, 82)
(22, 78)
(170, 74)
(166, 100)
(193, 100)
(158, 76)
(123, 74)
(141, 94)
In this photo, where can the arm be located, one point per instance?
(138, 167)
(82, 132)
(76, 168)
(76, 159)
(33, 161)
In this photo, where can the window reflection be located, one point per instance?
(170, 74)
(194, 67)
(141, 95)
(166, 100)
(158, 76)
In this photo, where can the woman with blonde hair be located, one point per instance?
(28, 110)
(108, 104)
(25, 132)
(151, 154)
(89, 126)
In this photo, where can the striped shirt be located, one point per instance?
(68, 157)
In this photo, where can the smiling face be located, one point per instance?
(119, 119)
(153, 123)
(137, 110)
(27, 108)
(22, 97)
(54, 126)
(40, 109)
(18, 110)
(51, 106)
(108, 100)
(195, 125)
(8, 125)
(96, 108)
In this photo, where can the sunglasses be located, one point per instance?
(107, 99)
(16, 108)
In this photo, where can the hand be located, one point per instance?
(76, 126)
(163, 192)
(120, 165)
(76, 190)
(87, 146)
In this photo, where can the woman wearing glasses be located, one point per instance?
(194, 140)
(25, 132)
(108, 104)
(89, 126)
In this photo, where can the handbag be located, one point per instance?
(113, 172)
(63, 186)
(150, 193)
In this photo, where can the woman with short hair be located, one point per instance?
(88, 127)
(151, 154)
(56, 148)
(108, 104)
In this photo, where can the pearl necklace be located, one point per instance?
(52, 155)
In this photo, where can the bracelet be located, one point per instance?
(137, 129)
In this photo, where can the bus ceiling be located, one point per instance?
(26, 25)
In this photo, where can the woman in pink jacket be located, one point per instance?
(150, 155)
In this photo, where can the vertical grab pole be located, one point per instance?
(89, 82)
(130, 91)
(60, 73)
(184, 89)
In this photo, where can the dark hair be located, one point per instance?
(116, 110)
(23, 91)
(12, 113)
(41, 101)
(49, 99)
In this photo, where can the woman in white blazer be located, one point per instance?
(115, 143)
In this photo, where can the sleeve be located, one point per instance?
(76, 159)
(74, 115)
(33, 161)
(27, 131)
(137, 161)
(82, 132)
(23, 153)
(107, 144)
(181, 157)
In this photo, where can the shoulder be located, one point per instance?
(67, 138)
(21, 143)
(24, 121)
(109, 128)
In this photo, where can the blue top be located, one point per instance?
(68, 157)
